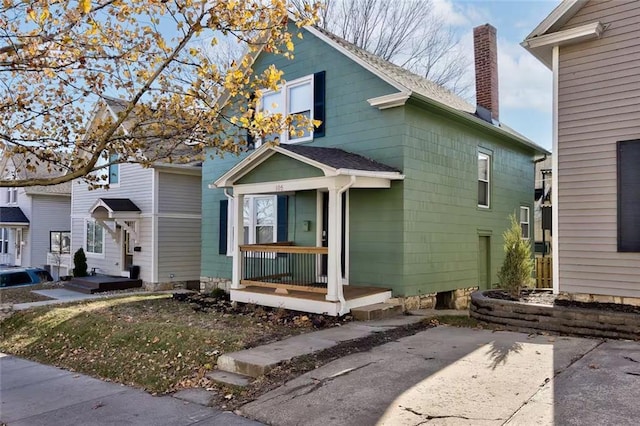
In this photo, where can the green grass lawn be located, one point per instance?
(149, 341)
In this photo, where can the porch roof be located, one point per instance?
(331, 161)
(115, 207)
(13, 216)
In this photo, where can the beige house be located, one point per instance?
(593, 49)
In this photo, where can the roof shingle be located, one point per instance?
(12, 215)
(338, 158)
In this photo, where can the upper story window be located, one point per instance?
(94, 238)
(484, 179)
(108, 174)
(305, 97)
(12, 195)
(524, 222)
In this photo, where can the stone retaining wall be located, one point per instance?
(560, 319)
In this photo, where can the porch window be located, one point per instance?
(94, 238)
(60, 242)
(524, 222)
(484, 176)
(4, 241)
(294, 98)
(260, 220)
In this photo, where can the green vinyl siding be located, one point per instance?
(280, 167)
(442, 217)
(419, 236)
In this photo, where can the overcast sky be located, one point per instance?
(525, 84)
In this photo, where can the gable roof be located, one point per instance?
(12, 215)
(550, 32)
(331, 161)
(409, 85)
(338, 158)
(120, 204)
(16, 163)
(401, 78)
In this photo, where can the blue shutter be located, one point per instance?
(251, 143)
(283, 218)
(222, 234)
(319, 102)
(114, 169)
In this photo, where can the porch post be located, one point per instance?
(238, 238)
(334, 273)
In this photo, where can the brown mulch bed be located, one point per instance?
(546, 297)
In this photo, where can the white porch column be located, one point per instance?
(238, 238)
(334, 272)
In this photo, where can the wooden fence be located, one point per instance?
(544, 272)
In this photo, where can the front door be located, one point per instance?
(18, 257)
(325, 231)
(484, 262)
(127, 250)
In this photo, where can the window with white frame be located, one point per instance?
(4, 240)
(108, 174)
(524, 222)
(294, 98)
(260, 221)
(94, 238)
(484, 179)
(12, 195)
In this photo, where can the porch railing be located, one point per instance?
(283, 266)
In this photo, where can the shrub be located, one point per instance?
(79, 263)
(517, 268)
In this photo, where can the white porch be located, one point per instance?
(282, 274)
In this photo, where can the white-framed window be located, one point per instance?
(60, 242)
(4, 241)
(260, 221)
(484, 179)
(94, 238)
(294, 97)
(108, 174)
(524, 222)
(12, 195)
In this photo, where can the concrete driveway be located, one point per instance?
(458, 376)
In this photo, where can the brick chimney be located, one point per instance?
(486, 60)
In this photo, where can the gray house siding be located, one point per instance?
(599, 88)
(136, 183)
(179, 226)
(49, 213)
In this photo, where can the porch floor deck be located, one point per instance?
(351, 292)
(100, 283)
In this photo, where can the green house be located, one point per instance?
(402, 192)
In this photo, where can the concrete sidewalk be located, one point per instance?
(35, 394)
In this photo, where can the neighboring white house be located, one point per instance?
(149, 217)
(35, 225)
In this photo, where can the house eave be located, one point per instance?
(541, 46)
(558, 17)
(390, 101)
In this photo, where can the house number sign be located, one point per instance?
(279, 188)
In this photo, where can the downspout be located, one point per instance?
(343, 302)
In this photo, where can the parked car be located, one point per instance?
(23, 276)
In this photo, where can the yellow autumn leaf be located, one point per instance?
(290, 45)
(84, 5)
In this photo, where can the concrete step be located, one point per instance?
(70, 285)
(228, 378)
(376, 311)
